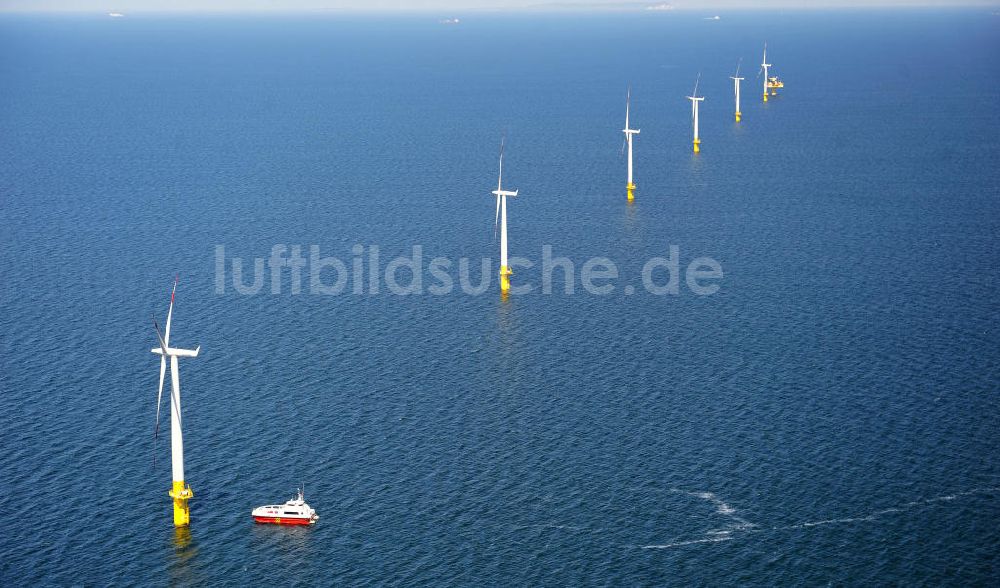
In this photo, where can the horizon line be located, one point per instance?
(552, 7)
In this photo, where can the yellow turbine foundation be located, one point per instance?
(765, 96)
(505, 274)
(630, 188)
(697, 142)
(181, 494)
(738, 115)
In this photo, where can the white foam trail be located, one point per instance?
(714, 535)
(824, 522)
(878, 513)
(721, 507)
(689, 542)
(717, 535)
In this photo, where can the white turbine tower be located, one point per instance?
(695, 99)
(630, 186)
(736, 85)
(764, 67)
(501, 219)
(179, 492)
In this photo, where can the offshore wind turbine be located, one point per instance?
(764, 67)
(179, 492)
(630, 186)
(501, 220)
(736, 85)
(695, 99)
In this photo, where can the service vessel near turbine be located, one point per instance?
(501, 219)
(695, 99)
(180, 492)
(771, 83)
(293, 512)
(630, 185)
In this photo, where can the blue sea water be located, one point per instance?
(829, 416)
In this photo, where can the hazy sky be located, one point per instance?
(443, 6)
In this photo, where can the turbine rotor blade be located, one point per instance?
(175, 402)
(500, 175)
(496, 221)
(163, 344)
(159, 397)
(170, 313)
(628, 101)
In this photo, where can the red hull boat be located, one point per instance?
(293, 512)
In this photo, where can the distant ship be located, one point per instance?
(293, 512)
(115, 14)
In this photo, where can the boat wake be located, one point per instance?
(688, 542)
(744, 526)
(738, 526)
(874, 515)
(723, 508)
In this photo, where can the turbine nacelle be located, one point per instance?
(164, 349)
(694, 110)
(499, 193)
(175, 352)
